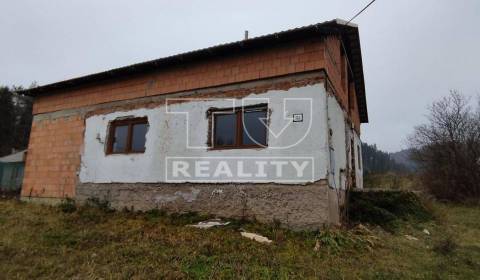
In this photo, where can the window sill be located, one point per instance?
(126, 154)
(256, 147)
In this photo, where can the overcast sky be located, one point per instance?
(413, 51)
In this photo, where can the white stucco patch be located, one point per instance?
(161, 199)
(338, 142)
(358, 162)
(189, 196)
(170, 134)
(341, 142)
(217, 192)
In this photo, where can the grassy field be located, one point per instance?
(392, 181)
(92, 242)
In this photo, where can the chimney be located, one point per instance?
(246, 34)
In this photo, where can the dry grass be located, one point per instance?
(90, 242)
(392, 181)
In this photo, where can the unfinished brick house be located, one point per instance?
(265, 128)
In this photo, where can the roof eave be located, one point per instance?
(336, 26)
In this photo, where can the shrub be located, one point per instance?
(68, 205)
(386, 208)
(101, 204)
(334, 240)
(446, 246)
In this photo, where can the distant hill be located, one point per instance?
(403, 157)
(378, 161)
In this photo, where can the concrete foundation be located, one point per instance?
(294, 206)
(42, 200)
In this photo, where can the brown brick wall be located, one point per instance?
(355, 116)
(336, 64)
(53, 157)
(266, 63)
(333, 65)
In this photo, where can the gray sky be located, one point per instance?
(413, 51)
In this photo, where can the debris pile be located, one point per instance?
(209, 224)
(256, 237)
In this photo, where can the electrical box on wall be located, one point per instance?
(297, 117)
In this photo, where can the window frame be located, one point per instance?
(130, 122)
(239, 129)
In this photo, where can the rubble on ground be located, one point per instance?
(256, 237)
(209, 224)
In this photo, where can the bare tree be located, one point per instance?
(447, 149)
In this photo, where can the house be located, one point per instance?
(265, 128)
(11, 171)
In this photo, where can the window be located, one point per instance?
(240, 128)
(127, 136)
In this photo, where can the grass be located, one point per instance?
(93, 242)
(388, 209)
(392, 181)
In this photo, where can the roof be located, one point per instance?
(16, 157)
(348, 32)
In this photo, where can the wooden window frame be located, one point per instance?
(239, 129)
(130, 122)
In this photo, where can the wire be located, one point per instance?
(356, 15)
(360, 12)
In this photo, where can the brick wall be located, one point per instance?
(53, 157)
(287, 59)
(354, 108)
(337, 66)
(333, 65)
(55, 145)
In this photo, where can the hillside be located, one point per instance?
(41, 242)
(403, 157)
(377, 161)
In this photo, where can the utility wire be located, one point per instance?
(356, 15)
(360, 12)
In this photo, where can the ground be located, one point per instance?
(393, 181)
(92, 242)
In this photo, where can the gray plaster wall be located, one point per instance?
(181, 130)
(294, 206)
